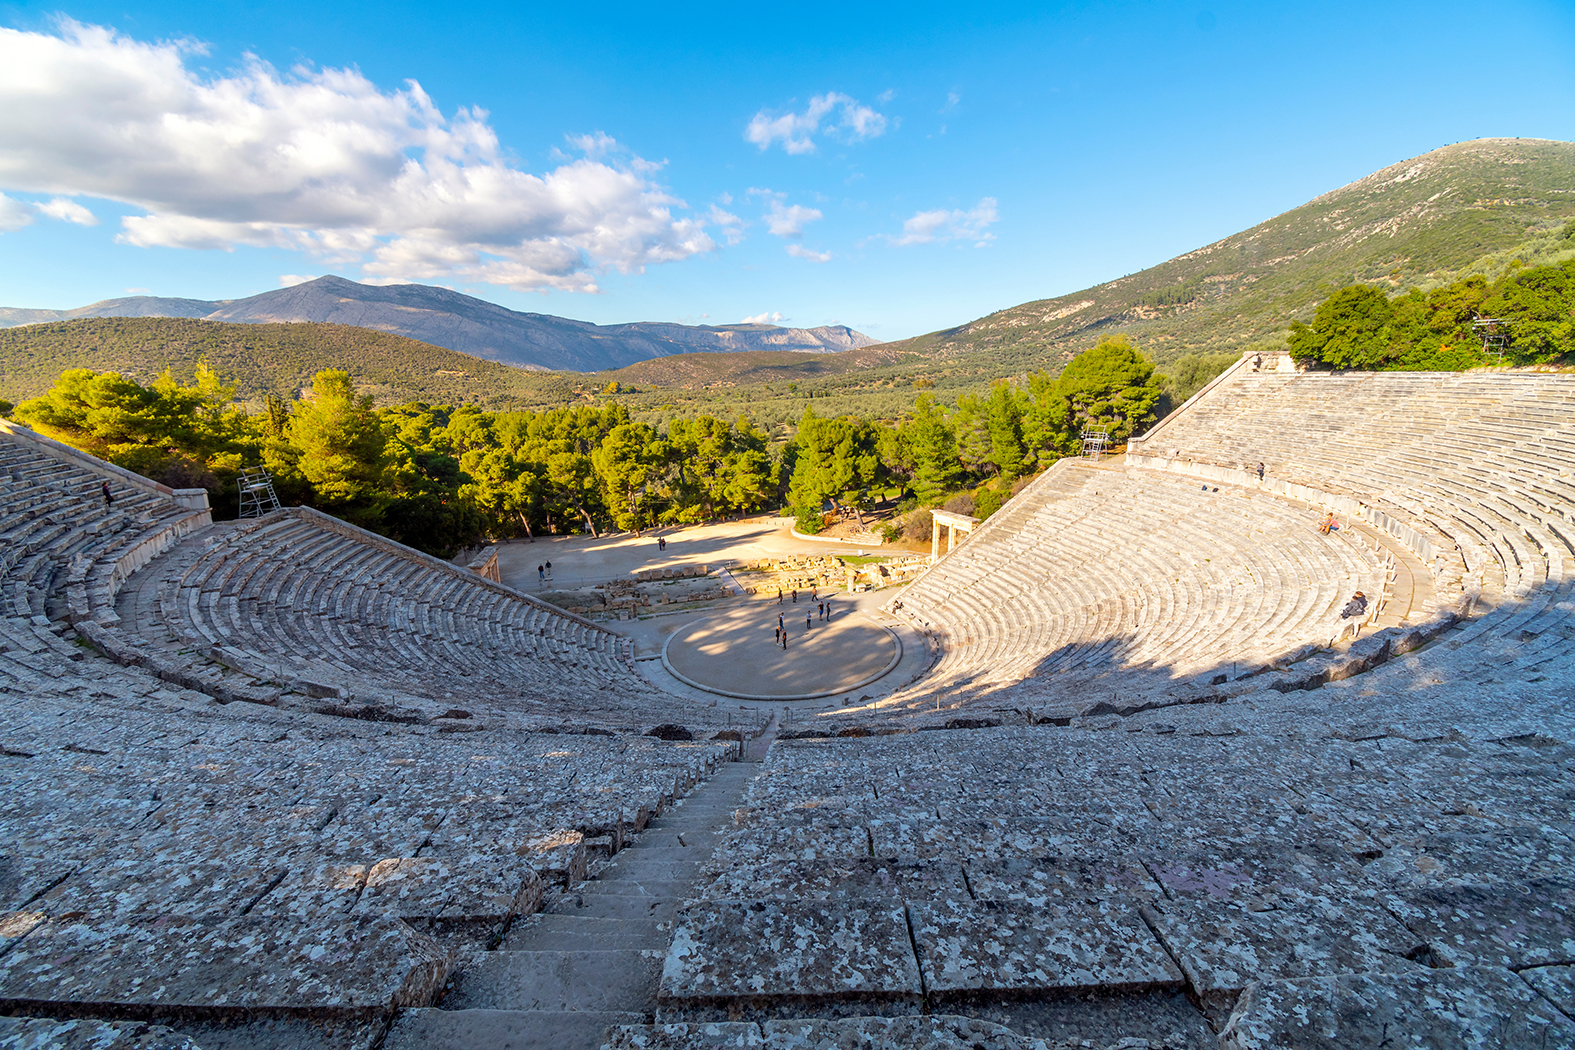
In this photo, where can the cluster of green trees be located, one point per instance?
(438, 477)
(1360, 327)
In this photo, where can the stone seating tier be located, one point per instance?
(297, 597)
(275, 864)
(1300, 862)
(1482, 460)
(1132, 577)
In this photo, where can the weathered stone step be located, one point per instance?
(559, 981)
(654, 854)
(697, 838)
(673, 889)
(241, 967)
(433, 1029)
(585, 933)
(932, 1033)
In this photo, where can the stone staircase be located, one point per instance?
(592, 958)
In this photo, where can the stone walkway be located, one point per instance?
(592, 958)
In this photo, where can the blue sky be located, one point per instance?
(897, 168)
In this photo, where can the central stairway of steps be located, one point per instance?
(592, 958)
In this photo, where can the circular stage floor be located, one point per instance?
(735, 653)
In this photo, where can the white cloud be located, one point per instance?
(770, 317)
(14, 214)
(790, 221)
(929, 227)
(67, 210)
(781, 219)
(290, 280)
(731, 225)
(854, 122)
(318, 161)
(798, 251)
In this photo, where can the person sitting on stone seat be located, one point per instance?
(1328, 524)
(1355, 607)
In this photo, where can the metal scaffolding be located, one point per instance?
(257, 494)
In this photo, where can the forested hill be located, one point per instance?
(1426, 220)
(267, 359)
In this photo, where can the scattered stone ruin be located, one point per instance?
(283, 783)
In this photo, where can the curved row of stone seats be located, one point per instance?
(64, 552)
(1133, 579)
(298, 596)
(1479, 465)
(163, 859)
(1161, 886)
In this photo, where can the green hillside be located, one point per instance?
(269, 359)
(1470, 207)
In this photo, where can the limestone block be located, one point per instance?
(703, 1035)
(1065, 879)
(1556, 984)
(1223, 945)
(1532, 924)
(793, 842)
(233, 967)
(14, 925)
(29, 1033)
(1466, 858)
(314, 889)
(173, 882)
(1261, 879)
(761, 955)
(1001, 948)
(484, 890)
(842, 878)
(938, 1032)
(1472, 1008)
(983, 837)
(556, 854)
(24, 877)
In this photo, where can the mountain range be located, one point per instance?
(460, 322)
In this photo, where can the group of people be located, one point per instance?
(544, 572)
(822, 612)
